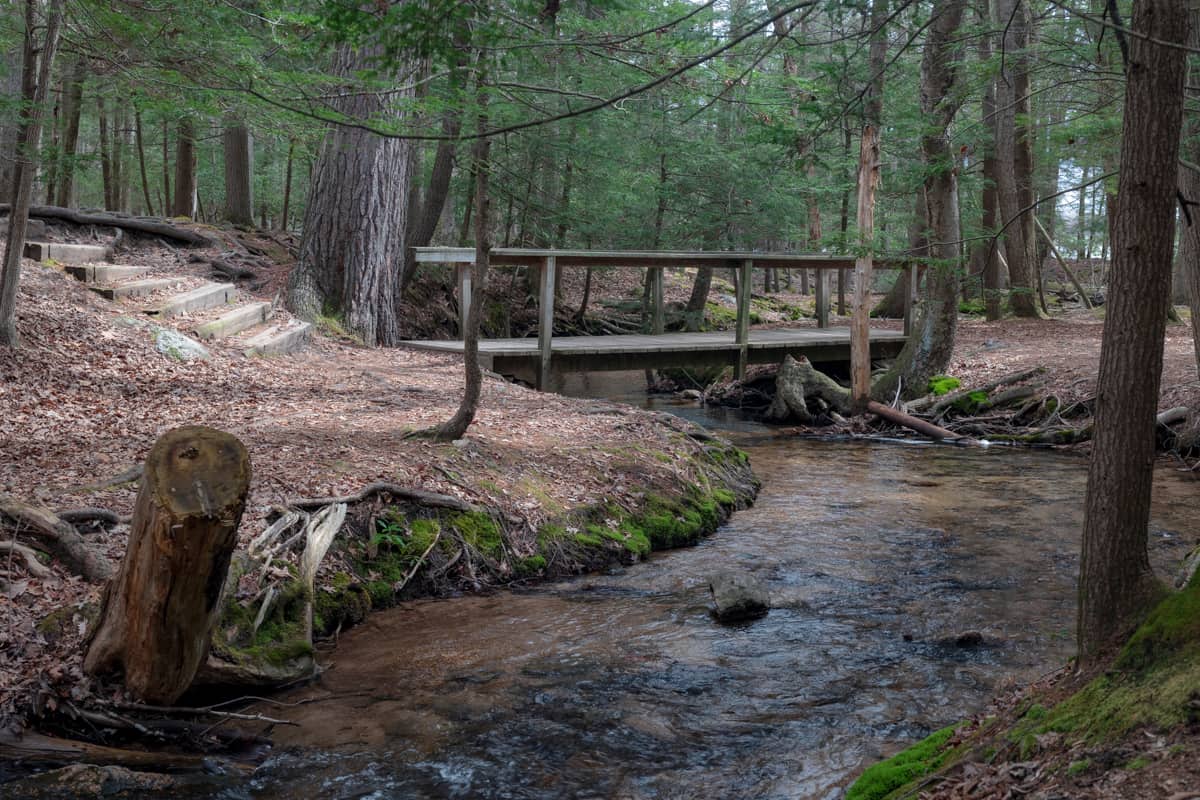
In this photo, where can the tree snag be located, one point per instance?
(158, 613)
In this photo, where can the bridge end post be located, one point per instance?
(658, 325)
(742, 335)
(546, 323)
(464, 297)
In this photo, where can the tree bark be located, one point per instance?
(985, 258)
(106, 171)
(185, 170)
(429, 210)
(157, 615)
(357, 218)
(10, 90)
(287, 186)
(1116, 582)
(72, 109)
(927, 352)
(1189, 186)
(36, 69)
(693, 312)
(1014, 152)
(141, 150)
(238, 148)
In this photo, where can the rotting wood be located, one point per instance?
(157, 614)
(418, 496)
(57, 537)
(921, 426)
(318, 536)
(149, 226)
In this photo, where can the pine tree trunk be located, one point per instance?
(36, 71)
(157, 614)
(184, 204)
(10, 88)
(985, 255)
(72, 109)
(357, 218)
(239, 172)
(141, 151)
(1015, 159)
(105, 156)
(693, 312)
(168, 205)
(927, 352)
(287, 187)
(1116, 582)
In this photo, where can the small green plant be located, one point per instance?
(974, 306)
(1077, 767)
(943, 384)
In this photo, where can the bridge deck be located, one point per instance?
(522, 357)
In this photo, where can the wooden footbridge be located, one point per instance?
(536, 360)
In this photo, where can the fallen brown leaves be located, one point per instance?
(87, 395)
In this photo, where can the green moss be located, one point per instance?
(1078, 767)
(882, 779)
(970, 402)
(725, 497)
(1138, 763)
(943, 384)
(478, 529)
(974, 306)
(1154, 683)
(531, 565)
(280, 639)
(718, 317)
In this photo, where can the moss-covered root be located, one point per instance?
(883, 780)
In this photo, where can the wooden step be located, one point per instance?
(66, 253)
(104, 273)
(278, 341)
(210, 295)
(235, 321)
(135, 288)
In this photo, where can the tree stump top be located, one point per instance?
(198, 471)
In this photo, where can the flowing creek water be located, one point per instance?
(622, 686)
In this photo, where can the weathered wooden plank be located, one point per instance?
(546, 322)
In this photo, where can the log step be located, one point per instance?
(235, 321)
(66, 253)
(135, 288)
(210, 295)
(104, 273)
(278, 341)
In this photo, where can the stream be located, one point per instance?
(622, 686)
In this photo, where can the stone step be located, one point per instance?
(105, 273)
(278, 341)
(135, 288)
(235, 321)
(66, 253)
(210, 295)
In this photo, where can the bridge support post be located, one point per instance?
(546, 323)
(658, 324)
(822, 298)
(742, 335)
(464, 298)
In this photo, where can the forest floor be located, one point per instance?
(88, 394)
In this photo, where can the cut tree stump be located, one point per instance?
(159, 611)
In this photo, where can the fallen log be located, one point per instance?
(57, 537)
(935, 405)
(922, 427)
(152, 227)
(157, 615)
(1172, 416)
(35, 748)
(34, 567)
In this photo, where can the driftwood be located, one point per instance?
(934, 432)
(57, 537)
(34, 748)
(147, 225)
(935, 405)
(158, 613)
(418, 496)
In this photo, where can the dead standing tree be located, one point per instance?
(158, 613)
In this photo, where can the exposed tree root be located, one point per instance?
(417, 496)
(57, 537)
(151, 226)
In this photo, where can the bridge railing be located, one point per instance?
(743, 264)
